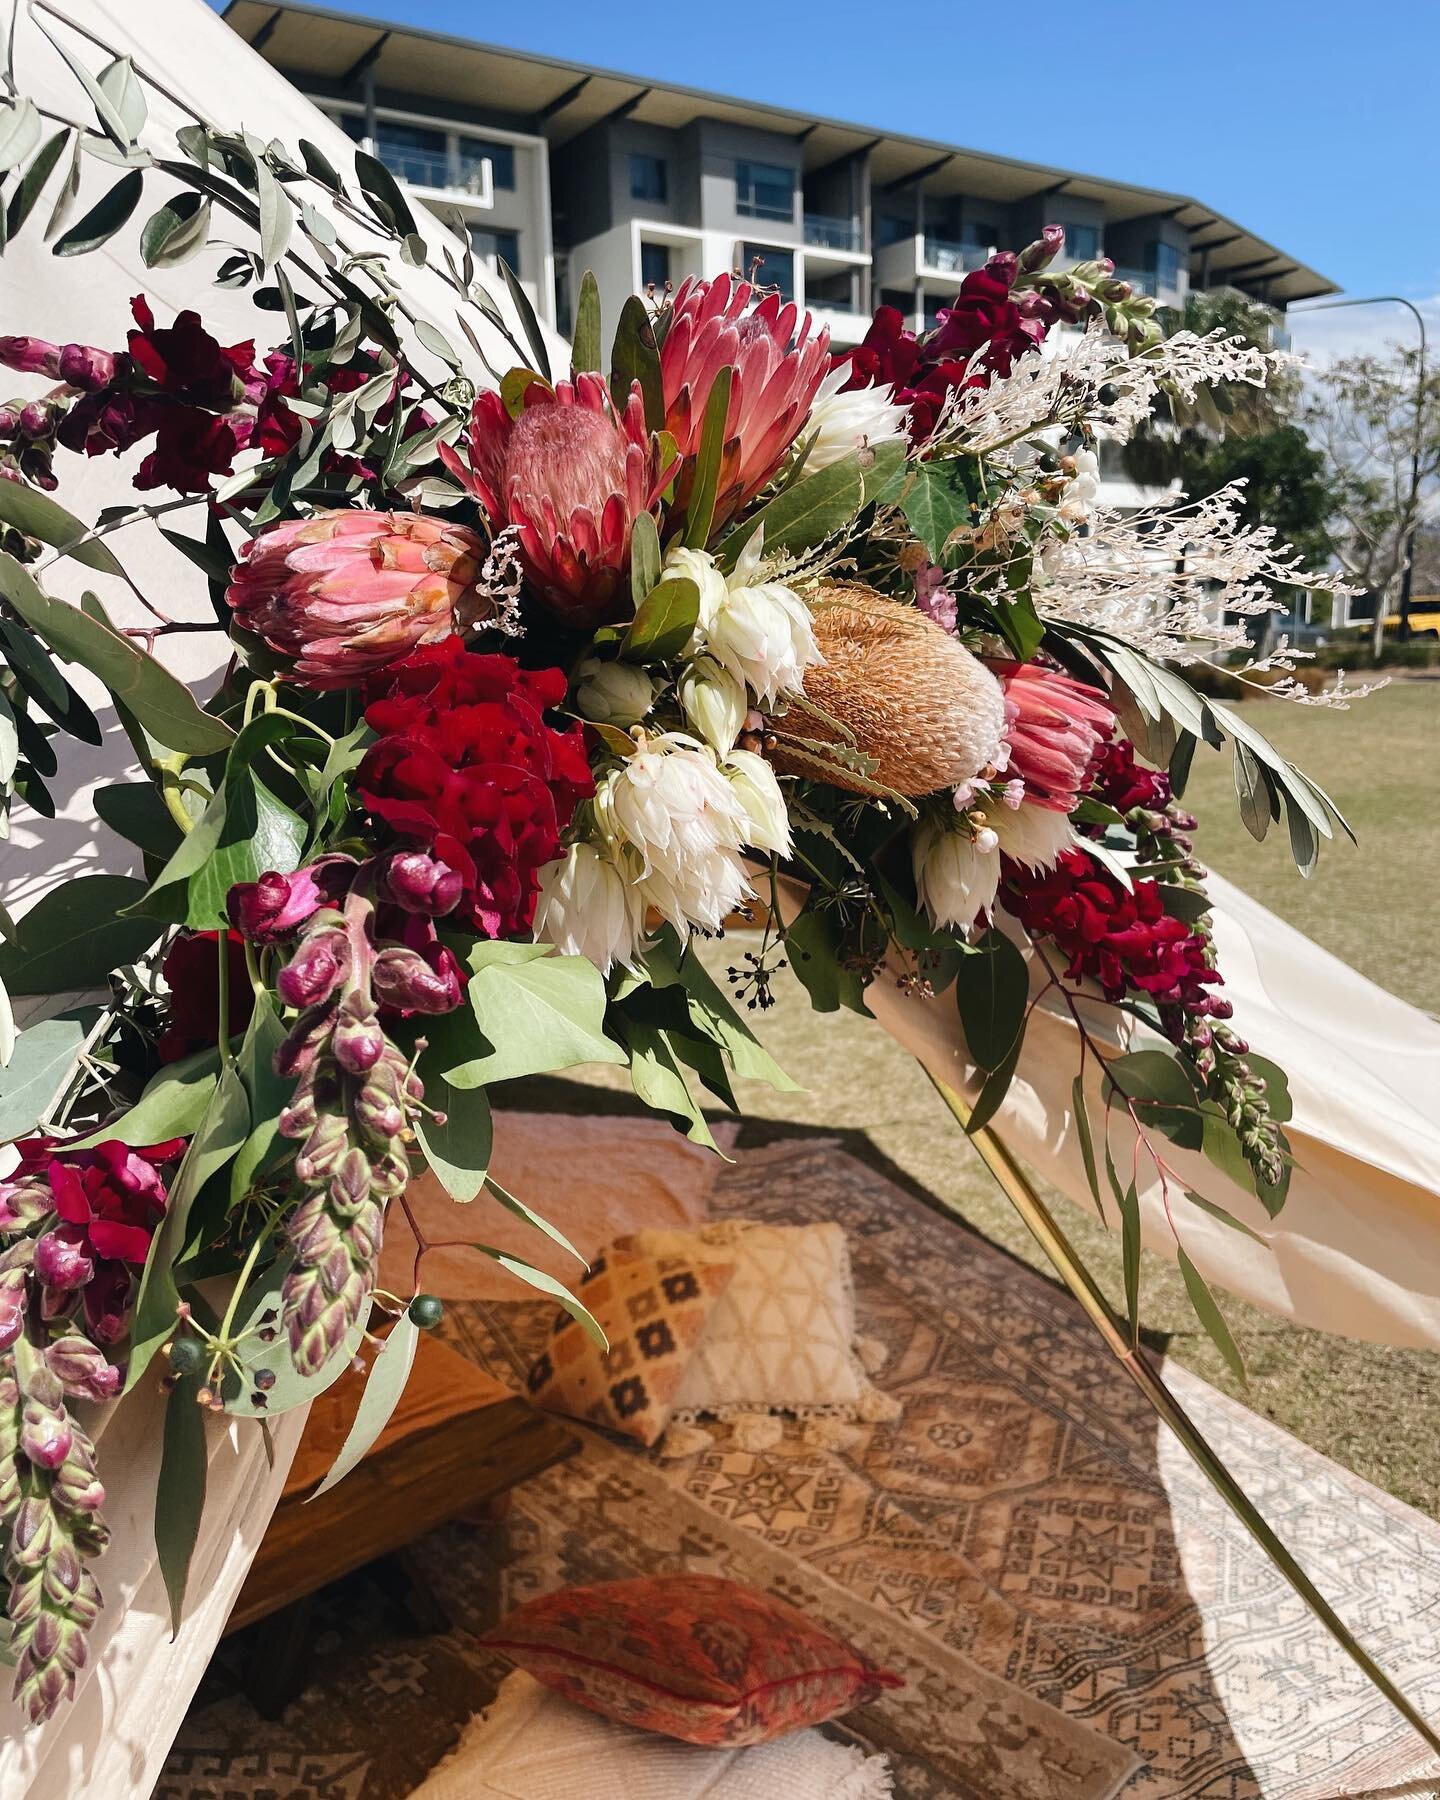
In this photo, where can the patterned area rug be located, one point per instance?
(1018, 1542)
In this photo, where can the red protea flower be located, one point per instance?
(571, 474)
(347, 593)
(776, 373)
(1056, 729)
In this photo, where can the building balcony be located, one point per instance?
(463, 178)
(944, 256)
(927, 259)
(826, 232)
(1146, 281)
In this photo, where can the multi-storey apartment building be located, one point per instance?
(559, 168)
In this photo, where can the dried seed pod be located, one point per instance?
(914, 701)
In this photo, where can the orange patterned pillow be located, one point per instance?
(652, 1310)
(693, 1656)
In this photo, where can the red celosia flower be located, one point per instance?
(1055, 728)
(572, 475)
(1123, 940)
(1123, 783)
(775, 373)
(467, 767)
(348, 593)
(192, 973)
(109, 1199)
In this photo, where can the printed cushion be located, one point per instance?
(532, 1745)
(693, 1656)
(781, 1338)
(653, 1310)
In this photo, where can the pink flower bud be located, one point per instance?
(421, 884)
(9, 421)
(82, 1369)
(12, 1306)
(378, 1112)
(323, 1149)
(313, 972)
(267, 910)
(1043, 251)
(31, 355)
(37, 419)
(350, 1184)
(83, 366)
(358, 1042)
(46, 1439)
(62, 1260)
(405, 980)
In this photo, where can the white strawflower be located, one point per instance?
(670, 804)
(613, 693)
(955, 880)
(1035, 836)
(588, 908)
(754, 781)
(842, 423)
(714, 702)
(759, 630)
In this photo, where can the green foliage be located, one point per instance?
(75, 935)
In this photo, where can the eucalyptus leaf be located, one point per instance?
(1161, 1092)
(75, 935)
(437, 343)
(383, 1387)
(531, 1217)
(176, 232)
(180, 1492)
(19, 132)
(997, 1085)
(104, 219)
(546, 1284)
(664, 621)
(534, 336)
(38, 1069)
(111, 122)
(38, 516)
(32, 183)
(1210, 1316)
(123, 89)
(1081, 1116)
(992, 991)
(808, 511)
(277, 215)
(320, 166)
(258, 1311)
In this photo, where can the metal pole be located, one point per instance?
(1413, 507)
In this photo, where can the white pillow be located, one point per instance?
(533, 1745)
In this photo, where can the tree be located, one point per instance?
(1377, 421)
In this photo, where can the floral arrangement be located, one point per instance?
(532, 684)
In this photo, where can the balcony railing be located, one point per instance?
(952, 258)
(827, 303)
(824, 232)
(421, 168)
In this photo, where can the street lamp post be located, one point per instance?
(1412, 509)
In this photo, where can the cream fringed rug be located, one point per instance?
(1077, 1616)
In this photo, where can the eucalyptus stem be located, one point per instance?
(1042, 1226)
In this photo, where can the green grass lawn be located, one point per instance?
(1371, 1409)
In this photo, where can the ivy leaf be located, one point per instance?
(992, 991)
(383, 1387)
(75, 935)
(658, 1080)
(814, 956)
(536, 1017)
(1210, 1316)
(585, 339)
(180, 1492)
(936, 501)
(173, 1104)
(457, 1152)
(38, 1067)
(135, 812)
(712, 1014)
(104, 219)
(664, 622)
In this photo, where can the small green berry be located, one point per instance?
(187, 1355)
(427, 1311)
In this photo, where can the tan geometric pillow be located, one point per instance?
(781, 1338)
(653, 1310)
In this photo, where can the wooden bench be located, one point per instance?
(456, 1443)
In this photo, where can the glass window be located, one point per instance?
(891, 227)
(984, 233)
(776, 270)
(1082, 242)
(413, 152)
(1164, 260)
(474, 151)
(654, 265)
(648, 178)
(352, 124)
(764, 190)
(490, 246)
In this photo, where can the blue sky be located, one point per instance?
(1312, 124)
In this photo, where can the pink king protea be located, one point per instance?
(571, 474)
(348, 593)
(772, 387)
(1056, 730)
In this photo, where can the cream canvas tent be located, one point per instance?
(1356, 1250)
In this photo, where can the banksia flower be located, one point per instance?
(921, 712)
(776, 370)
(345, 594)
(571, 474)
